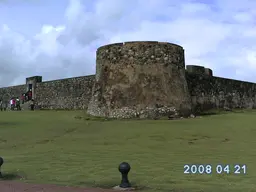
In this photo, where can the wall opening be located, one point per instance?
(30, 86)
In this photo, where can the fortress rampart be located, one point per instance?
(132, 78)
(209, 92)
(71, 93)
(139, 79)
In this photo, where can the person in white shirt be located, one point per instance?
(18, 104)
(11, 104)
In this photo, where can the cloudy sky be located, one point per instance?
(58, 38)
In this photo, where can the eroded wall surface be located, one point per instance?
(208, 92)
(6, 93)
(71, 93)
(136, 78)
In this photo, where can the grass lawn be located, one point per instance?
(57, 147)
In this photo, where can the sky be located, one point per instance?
(58, 39)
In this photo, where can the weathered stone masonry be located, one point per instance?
(208, 92)
(139, 79)
(8, 92)
(133, 78)
(71, 93)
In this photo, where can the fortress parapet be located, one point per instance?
(198, 70)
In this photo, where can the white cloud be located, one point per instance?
(47, 39)
(220, 35)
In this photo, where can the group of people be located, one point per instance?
(26, 96)
(15, 102)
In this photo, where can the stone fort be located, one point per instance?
(138, 79)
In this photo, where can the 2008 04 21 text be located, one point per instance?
(215, 169)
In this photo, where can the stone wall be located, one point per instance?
(71, 93)
(6, 93)
(209, 92)
(139, 79)
(136, 78)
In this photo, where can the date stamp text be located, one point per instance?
(215, 169)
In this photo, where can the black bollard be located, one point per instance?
(1, 163)
(124, 169)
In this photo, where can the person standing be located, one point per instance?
(26, 96)
(23, 98)
(11, 104)
(1, 105)
(32, 105)
(5, 105)
(30, 94)
(18, 104)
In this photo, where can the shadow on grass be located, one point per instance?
(110, 185)
(88, 117)
(12, 176)
(222, 112)
(208, 114)
(6, 123)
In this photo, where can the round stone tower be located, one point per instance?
(138, 79)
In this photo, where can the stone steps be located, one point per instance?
(25, 106)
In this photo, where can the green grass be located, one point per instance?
(59, 147)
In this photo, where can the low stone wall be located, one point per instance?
(71, 93)
(209, 92)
